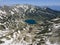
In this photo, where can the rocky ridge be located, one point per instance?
(15, 31)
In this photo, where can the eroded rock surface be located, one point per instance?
(14, 30)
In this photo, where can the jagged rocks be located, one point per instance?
(15, 30)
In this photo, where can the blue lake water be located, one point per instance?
(30, 21)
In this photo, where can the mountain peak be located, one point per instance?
(30, 10)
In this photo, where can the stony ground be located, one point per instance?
(15, 31)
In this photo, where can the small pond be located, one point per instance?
(30, 21)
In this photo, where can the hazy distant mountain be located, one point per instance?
(55, 7)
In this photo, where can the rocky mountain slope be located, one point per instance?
(29, 25)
